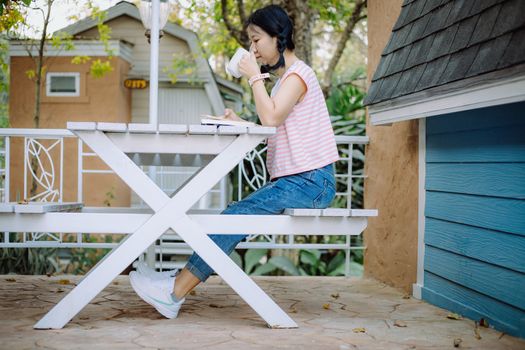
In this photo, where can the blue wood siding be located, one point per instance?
(475, 215)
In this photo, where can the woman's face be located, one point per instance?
(263, 45)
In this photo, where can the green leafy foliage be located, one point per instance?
(28, 261)
(183, 66)
(64, 40)
(312, 262)
(285, 264)
(100, 68)
(81, 260)
(253, 257)
(334, 12)
(345, 105)
(80, 59)
(11, 13)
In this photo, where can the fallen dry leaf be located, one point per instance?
(292, 310)
(406, 296)
(457, 342)
(63, 281)
(400, 323)
(484, 323)
(359, 330)
(476, 331)
(335, 295)
(10, 280)
(326, 306)
(193, 292)
(454, 316)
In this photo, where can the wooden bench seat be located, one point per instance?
(53, 207)
(291, 212)
(331, 212)
(39, 207)
(73, 217)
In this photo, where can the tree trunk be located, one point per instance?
(303, 18)
(357, 16)
(38, 91)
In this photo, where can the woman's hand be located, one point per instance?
(248, 65)
(230, 115)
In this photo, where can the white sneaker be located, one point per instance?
(145, 270)
(157, 293)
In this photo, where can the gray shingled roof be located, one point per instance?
(435, 42)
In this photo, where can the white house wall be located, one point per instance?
(177, 105)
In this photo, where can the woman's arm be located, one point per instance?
(272, 111)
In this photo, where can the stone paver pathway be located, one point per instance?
(332, 313)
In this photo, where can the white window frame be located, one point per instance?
(76, 75)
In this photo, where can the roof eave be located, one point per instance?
(229, 84)
(490, 89)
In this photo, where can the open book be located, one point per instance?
(221, 120)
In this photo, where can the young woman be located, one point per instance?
(300, 155)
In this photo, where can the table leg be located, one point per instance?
(169, 212)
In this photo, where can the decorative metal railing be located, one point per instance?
(44, 154)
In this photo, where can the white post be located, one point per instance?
(25, 169)
(7, 164)
(7, 180)
(418, 286)
(154, 62)
(80, 170)
(151, 256)
(61, 196)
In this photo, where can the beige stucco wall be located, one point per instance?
(392, 169)
(101, 99)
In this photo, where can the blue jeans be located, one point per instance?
(310, 189)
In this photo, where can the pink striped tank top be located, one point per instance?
(305, 141)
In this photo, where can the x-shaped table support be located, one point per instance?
(169, 213)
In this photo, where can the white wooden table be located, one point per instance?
(116, 145)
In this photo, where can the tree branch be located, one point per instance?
(245, 40)
(242, 13)
(357, 15)
(236, 34)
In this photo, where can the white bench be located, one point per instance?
(75, 218)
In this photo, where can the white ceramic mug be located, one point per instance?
(233, 67)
